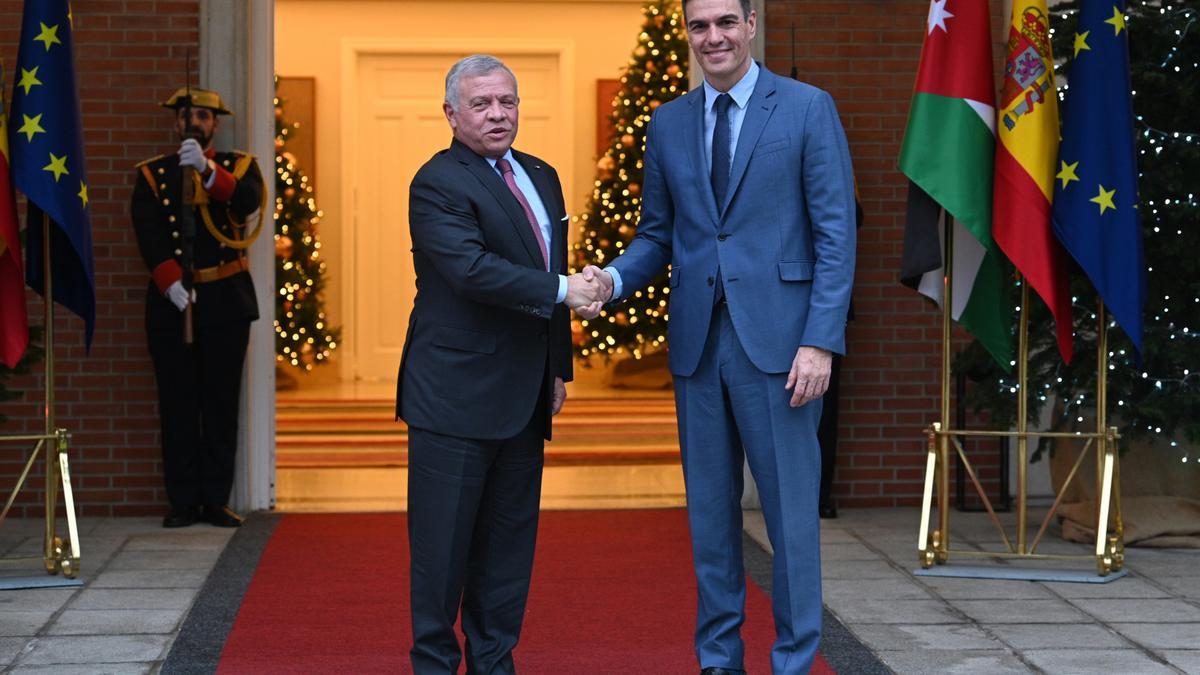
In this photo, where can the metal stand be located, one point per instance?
(933, 546)
(58, 555)
(1004, 500)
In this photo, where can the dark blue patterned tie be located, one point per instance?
(720, 169)
(720, 150)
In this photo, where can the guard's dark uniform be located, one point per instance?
(198, 385)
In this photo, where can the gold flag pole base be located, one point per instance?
(933, 543)
(59, 556)
(1109, 554)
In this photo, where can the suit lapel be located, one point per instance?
(758, 112)
(694, 132)
(490, 179)
(551, 199)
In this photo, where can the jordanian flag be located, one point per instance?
(948, 157)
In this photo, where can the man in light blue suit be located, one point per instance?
(748, 193)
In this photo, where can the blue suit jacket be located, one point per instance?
(784, 239)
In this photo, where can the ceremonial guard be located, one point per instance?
(191, 209)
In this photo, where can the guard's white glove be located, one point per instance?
(191, 154)
(178, 295)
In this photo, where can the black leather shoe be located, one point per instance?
(827, 511)
(221, 516)
(180, 518)
(721, 671)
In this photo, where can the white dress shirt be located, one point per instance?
(539, 210)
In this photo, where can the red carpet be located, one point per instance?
(611, 590)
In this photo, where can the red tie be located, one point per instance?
(506, 170)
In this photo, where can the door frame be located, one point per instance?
(353, 49)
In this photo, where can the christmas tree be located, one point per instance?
(1160, 398)
(303, 337)
(657, 73)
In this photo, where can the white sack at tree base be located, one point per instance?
(1158, 521)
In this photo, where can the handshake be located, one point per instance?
(587, 291)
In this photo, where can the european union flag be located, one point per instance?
(46, 143)
(1095, 196)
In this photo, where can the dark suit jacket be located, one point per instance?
(485, 338)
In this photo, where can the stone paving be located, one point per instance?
(1147, 622)
(139, 583)
(141, 580)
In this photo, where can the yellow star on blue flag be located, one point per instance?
(50, 146)
(57, 166)
(1095, 206)
(31, 126)
(29, 79)
(48, 36)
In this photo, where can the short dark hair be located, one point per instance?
(746, 8)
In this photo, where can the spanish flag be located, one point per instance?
(14, 322)
(1026, 150)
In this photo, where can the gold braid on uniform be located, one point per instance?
(239, 170)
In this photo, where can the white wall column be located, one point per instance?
(237, 59)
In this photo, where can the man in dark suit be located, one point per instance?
(748, 194)
(199, 384)
(483, 371)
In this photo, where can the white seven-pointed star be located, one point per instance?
(938, 15)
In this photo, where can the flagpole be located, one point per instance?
(1110, 550)
(1101, 408)
(51, 498)
(55, 558)
(944, 439)
(1022, 415)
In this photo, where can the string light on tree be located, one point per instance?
(303, 337)
(1158, 399)
(657, 73)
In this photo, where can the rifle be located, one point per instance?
(187, 216)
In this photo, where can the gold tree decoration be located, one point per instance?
(657, 73)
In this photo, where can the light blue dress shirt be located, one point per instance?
(539, 210)
(741, 93)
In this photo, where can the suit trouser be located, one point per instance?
(729, 409)
(199, 388)
(472, 526)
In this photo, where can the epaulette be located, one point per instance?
(151, 160)
(242, 165)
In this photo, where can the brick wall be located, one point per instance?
(865, 54)
(129, 55)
